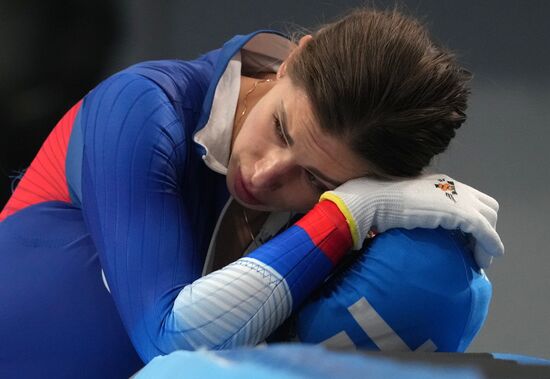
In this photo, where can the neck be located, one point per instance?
(248, 83)
(253, 221)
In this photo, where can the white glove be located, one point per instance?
(424, 202)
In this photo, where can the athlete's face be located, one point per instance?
(281, 159)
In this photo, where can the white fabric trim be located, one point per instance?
(209, 261)
(376, 328)
(216, 135)
(237, 305)
(339, 341)
(383, 336)
(105, 281)
(427, 347)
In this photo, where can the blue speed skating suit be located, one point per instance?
(104, 241)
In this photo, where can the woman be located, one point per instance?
(133, 192)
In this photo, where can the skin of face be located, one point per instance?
(277, 162)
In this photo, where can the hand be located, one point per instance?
(428, 201)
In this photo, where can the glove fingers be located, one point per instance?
(483, 197)
(489, 213)
(482, 258)
(488, 200)
(487, 239)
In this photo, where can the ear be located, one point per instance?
(282, 68)
(304, 40)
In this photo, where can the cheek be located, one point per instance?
(248, 138)
(230, 176)
(298, 197)
(253, 141)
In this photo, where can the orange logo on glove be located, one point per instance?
(448, 187)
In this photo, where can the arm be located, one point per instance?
(411, 290)
(133, 163)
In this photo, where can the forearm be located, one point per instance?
(244, 302)
(147, 242)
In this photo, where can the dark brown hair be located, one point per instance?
(376, 79)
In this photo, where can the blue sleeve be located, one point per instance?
(411, 290)
(133, 164)
(134, 151)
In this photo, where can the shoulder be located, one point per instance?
(184, 83)
(435, 248)
(430, 260)
(422, 284)
(165, 88)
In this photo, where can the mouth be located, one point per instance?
(242, 191)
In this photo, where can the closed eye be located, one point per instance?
(312, 180)
(279, 130)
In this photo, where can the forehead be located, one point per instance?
(314, 146)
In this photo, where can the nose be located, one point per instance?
(273, 171)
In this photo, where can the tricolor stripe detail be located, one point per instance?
(328, 229)
(297, 259)
(330, 196)
(306, 253)
(45, 179)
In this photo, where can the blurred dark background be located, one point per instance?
(52, 53)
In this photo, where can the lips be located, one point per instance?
(242, 191)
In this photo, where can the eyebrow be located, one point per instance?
(290, 142)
